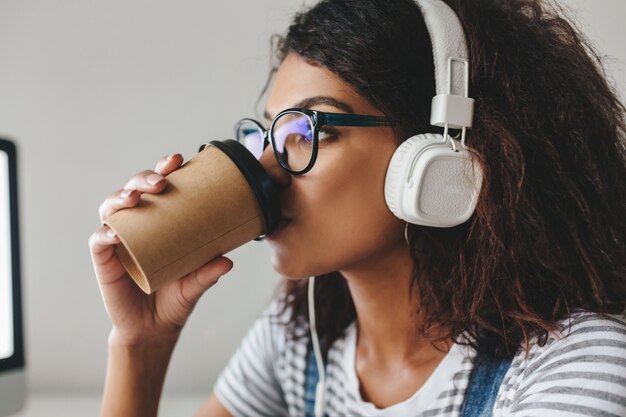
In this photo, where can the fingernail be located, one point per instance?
(125, 193)
(111, 233)
(154, 179)
(168, 157)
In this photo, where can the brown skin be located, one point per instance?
(341, 220)
(340, 223)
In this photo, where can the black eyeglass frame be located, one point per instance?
(317, 119)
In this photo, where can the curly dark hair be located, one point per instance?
(548, 234)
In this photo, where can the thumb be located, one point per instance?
(196, 283)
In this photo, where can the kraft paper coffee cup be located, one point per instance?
(216, 202)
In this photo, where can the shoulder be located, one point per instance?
(586, 333)
(262, 378)
(274, 328)
(579, 370)
(268, 337)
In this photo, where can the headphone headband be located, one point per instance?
(451, 107)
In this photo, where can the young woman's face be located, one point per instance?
(340, 220)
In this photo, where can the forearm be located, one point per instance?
(135, 377)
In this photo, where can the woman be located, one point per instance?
(533, 283)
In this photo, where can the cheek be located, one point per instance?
(343, 217)
(361, 221)
(355, 192)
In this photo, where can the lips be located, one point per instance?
(282, 223)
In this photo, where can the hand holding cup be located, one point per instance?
(137, 316)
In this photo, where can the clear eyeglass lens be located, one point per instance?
(250, 136)
(292, 136)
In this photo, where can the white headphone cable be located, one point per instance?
(319, 389)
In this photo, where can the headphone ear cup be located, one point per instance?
(395, 180)
(429, 184)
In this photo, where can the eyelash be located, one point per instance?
(328, 131)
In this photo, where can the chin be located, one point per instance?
(285, 270)
(291, 268)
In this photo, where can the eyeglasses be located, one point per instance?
(295, 135)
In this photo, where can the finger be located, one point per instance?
(147, 182)
(196, 283)
(118, 200)
(169, 164)
(102, 240)
(101, 244)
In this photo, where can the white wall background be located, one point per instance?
(94, 91)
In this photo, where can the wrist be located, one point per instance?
(139, 344)
(135, 374)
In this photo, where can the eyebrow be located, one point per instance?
(316, 101)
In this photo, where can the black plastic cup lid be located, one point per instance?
(262, 186)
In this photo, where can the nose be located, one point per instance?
(277, 174)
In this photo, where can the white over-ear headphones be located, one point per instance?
(432, 179)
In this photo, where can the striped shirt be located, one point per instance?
(580, 371)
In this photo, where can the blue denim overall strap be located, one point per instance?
(480, 395)
(310, 383)
(483, 386)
